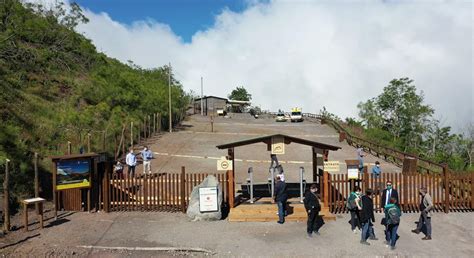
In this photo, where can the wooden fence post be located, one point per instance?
(326, 187)
(68, 148)
(88, 143)
(6, 198)
(472, 190)
(446, 188)
(35, 165)
(106, 192)
(230, 183)
(183, 189)
(365, 178)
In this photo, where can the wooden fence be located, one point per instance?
(154, 192)
(450, 191)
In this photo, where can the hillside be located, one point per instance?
(55, 87)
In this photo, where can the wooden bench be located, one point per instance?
(27, 202)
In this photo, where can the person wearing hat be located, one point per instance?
(281, 196)
(426, 205)
(312, 206)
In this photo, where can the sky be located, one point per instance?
(299, 53)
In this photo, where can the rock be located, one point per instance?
(193, 208)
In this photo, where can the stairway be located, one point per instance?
(266, 211)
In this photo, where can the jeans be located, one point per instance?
(366, 228)
(355, 219)
(424, 220)
(131, 170)
(391, 234)
(281, 211)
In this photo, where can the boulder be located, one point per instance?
(193, 208)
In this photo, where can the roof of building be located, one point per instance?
(287, 140)
(210, 97)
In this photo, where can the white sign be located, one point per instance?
(208, 199)
(224, 164)
(331, 166)
(278, 145)
(353, 173)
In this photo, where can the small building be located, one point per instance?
(210, 105)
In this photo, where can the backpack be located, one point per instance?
(351, 204)
(393, 216)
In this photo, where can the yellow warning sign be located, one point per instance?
(278, 145)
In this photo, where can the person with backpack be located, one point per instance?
(367, 218)
(354, 206)
(312, 206)
(281, 196)
(426, 205)
(392, 220)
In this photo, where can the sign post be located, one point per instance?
(223, 164)
(278, 145)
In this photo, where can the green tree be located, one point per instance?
(240, 93)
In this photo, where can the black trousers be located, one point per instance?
(131, 171)
(355, 219)
(312, 224)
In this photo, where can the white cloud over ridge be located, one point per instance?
(314, 53)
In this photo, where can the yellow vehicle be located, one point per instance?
(296, 115)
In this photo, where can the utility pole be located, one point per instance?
(169, 98)
(202, 104)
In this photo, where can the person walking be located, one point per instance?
(312, 206)
(281, 196)
(147, 155)
(367, 218)
(426, 205)
(354, 206)
(392, 221)
(387, 194)
(131, 161)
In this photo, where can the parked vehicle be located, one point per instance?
(296, 115)
(281, 117)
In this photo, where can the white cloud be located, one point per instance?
(314, 53)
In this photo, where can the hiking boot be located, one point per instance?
(280, 222)
(373, 238)
(426, 238)
(364, 242)
(355, 231)
(416, 231)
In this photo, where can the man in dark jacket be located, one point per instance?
(312, 206)
(387, 194)
(281, 196)
(367, 217)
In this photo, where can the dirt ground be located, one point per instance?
(73, 232)
(151, 234)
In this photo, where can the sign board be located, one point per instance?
(278, 145)
(224, 164)
(352, 173)
(208, 199)
(73, 173)
(331, 166)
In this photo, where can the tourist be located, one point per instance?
(312, 206)
(281, 196)
(131, 161)
(147, 155)
(367, 217)
(426, 205)
(376, 170)
(387, 194)
(354, 206)
(118, 169)
(392, 221)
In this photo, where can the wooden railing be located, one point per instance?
(154, 192)
(450, 192)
